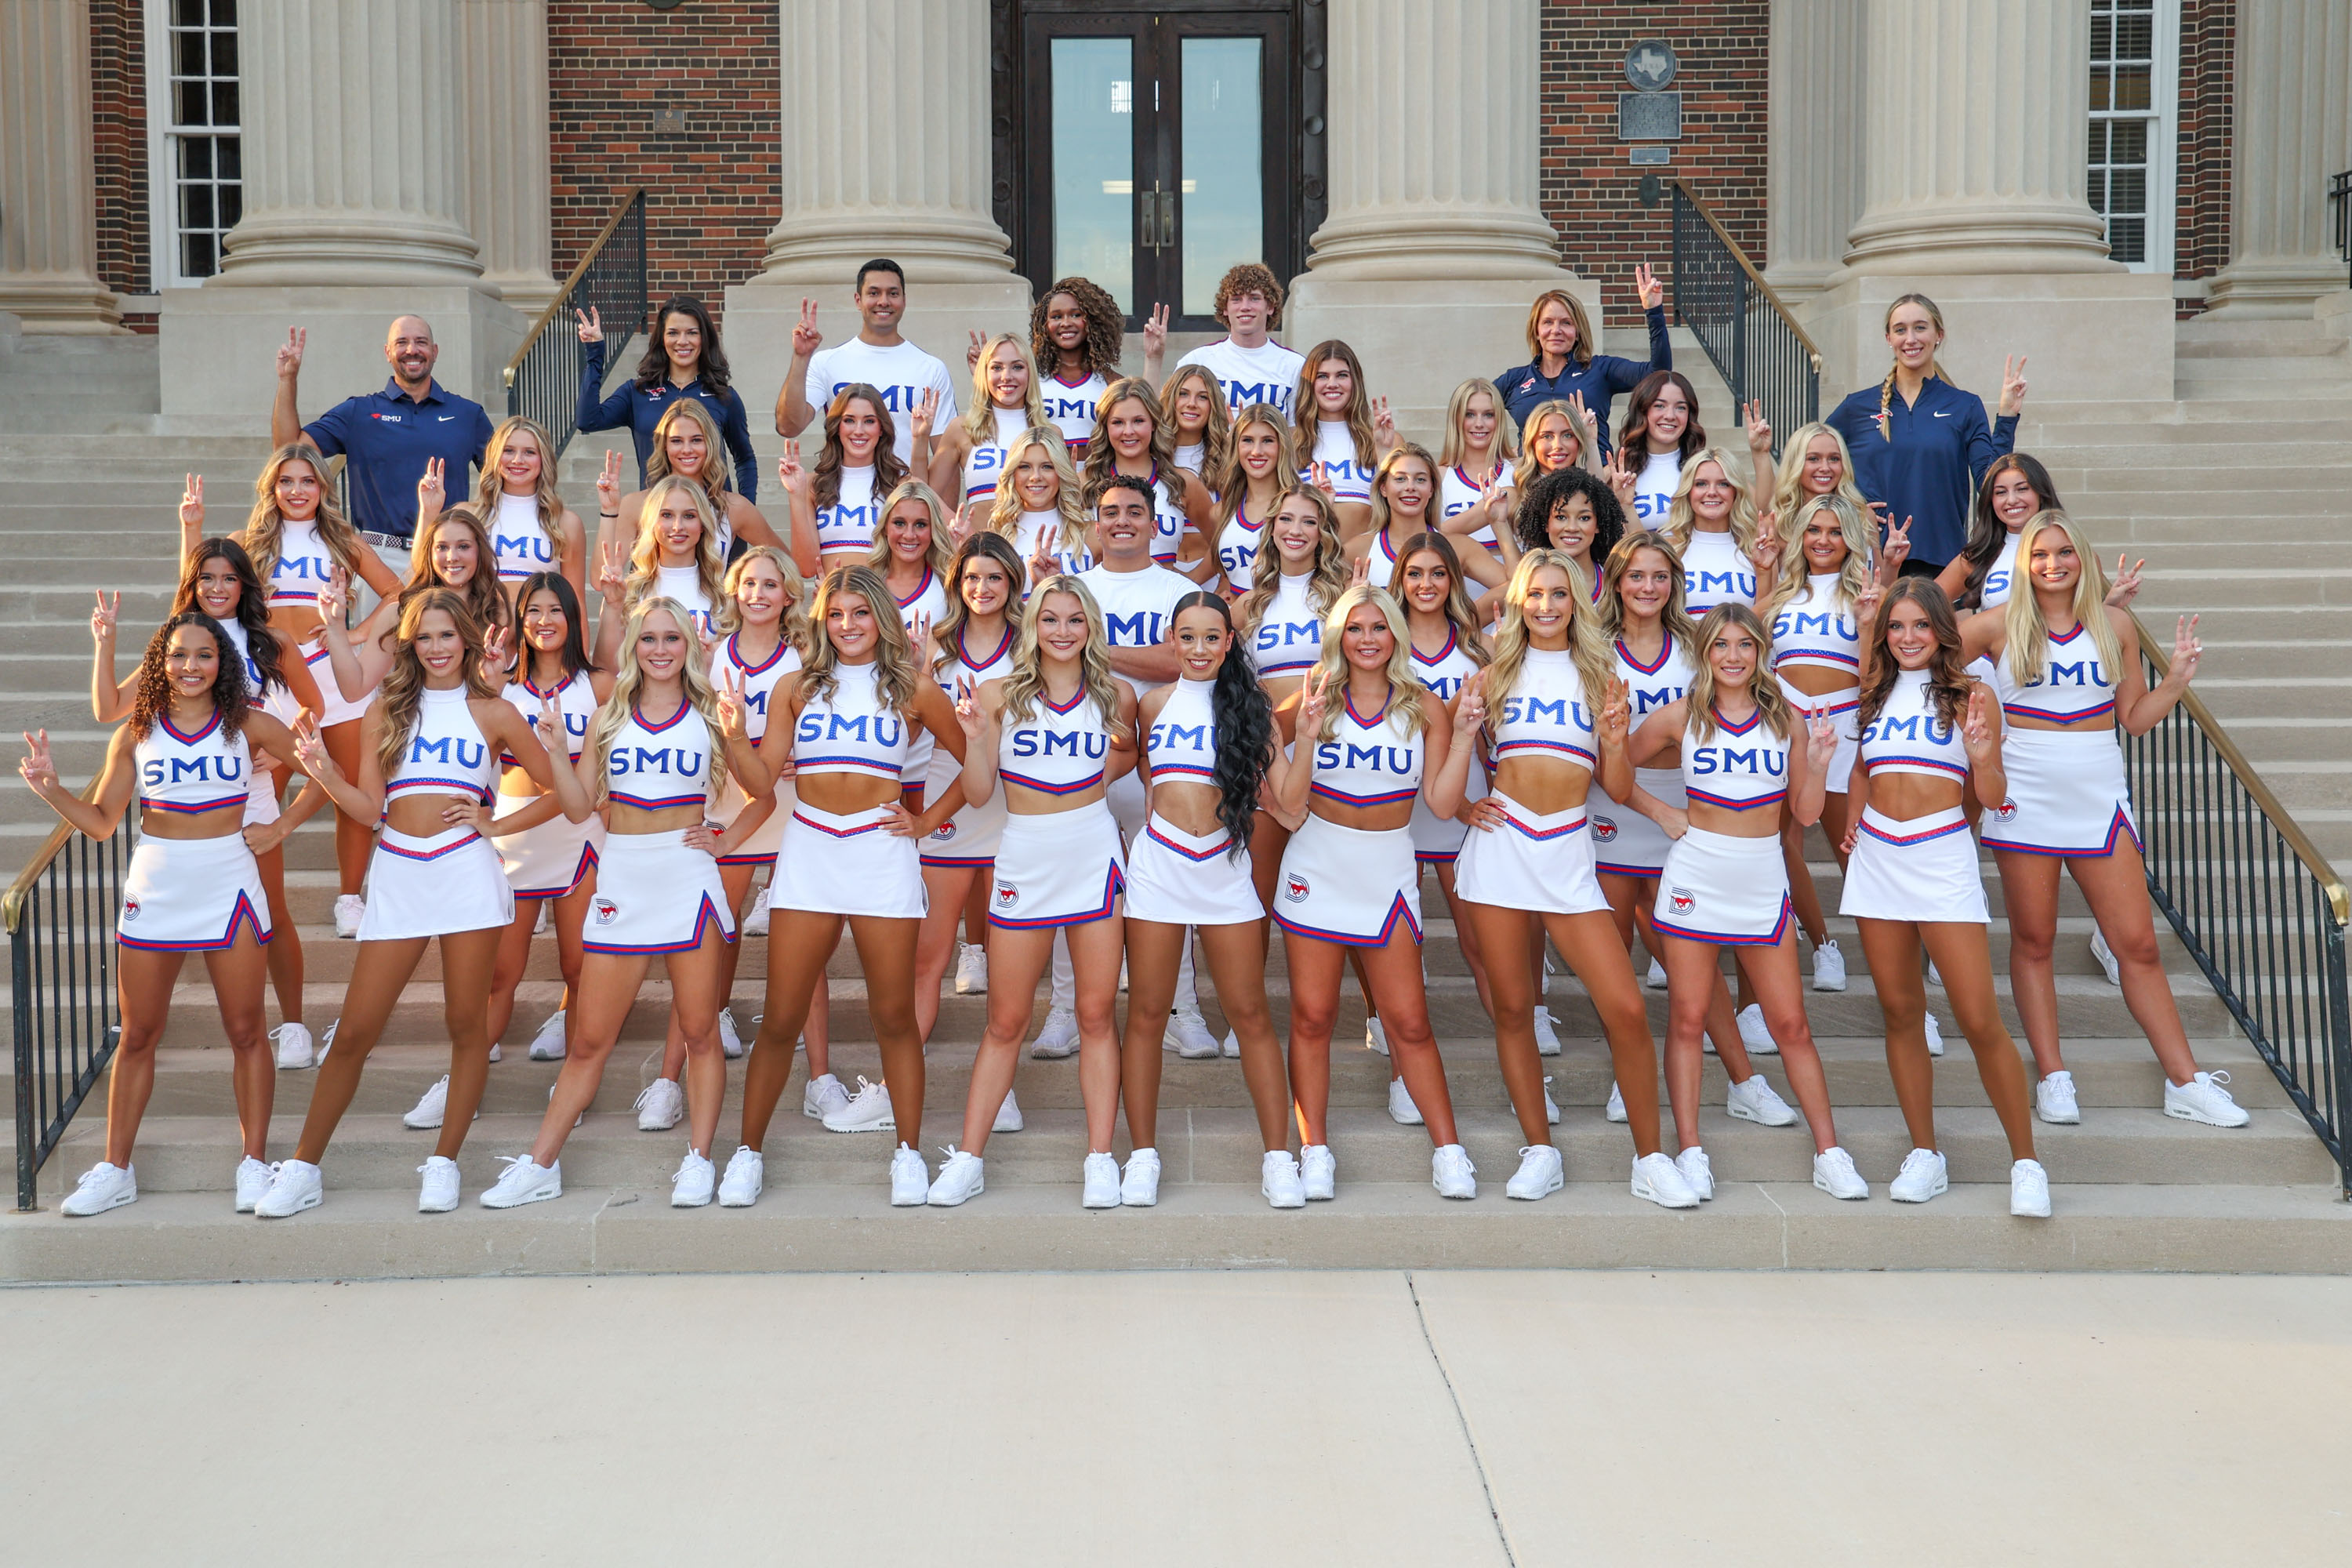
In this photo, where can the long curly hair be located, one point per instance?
(1587, 644)
(1460, 614)
(888, 468)
(403, 691)
(979, 420)
(1948, 676)
(252, 606)
(1532, 522)
(1244, 718)
(894, 655)
(1231, 481)
(1987, 533)
(1329, 571)
(491, 484)
(1106, 337)
(1682, 520)
(150, 693)
(1523, 467)
(1331, 664)
(1217, 434)
(2027, 631)
(1101, 457)
(791, 625)
(629, 680)
(1004, 516)
(265, 525)
(946, 633)
(1676, 619)
(1306, 417)
(1633, 434)
(1025, 683)
(1796, 570)
(1771, 701)
(645, 559)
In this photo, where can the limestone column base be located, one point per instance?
(2286, 288)
(65, 305)
(220, 348)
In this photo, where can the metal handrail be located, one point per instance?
(1743, 326)
(12, 903)
(2339, 198)
(542, 378)
(1771, 298)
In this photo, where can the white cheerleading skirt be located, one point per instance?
(655, 893)
(836, 865)
(192, 895)
(1844, 708)
(1349, 886)
(449, 882)
(1625, 842)
(1921, 870)
(338, 709)
(550, 861)
(1180, 878)
(1716, 888)
(1437, 840)
(760, 847)
(1057, 868)
(970, 837)
(1537, 861)
(2067, 794)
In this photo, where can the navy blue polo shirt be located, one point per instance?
(1600, 379)
(385, 438)
(642, 407)
(1928, 464)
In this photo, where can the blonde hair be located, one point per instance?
(484, 598)
(715, 478)
(491, 486)
(1674, 617)
(1306, 417)
(1233, 480)
(1025, 682)
(1329, 574)
(645, 558)
(1524, 471)
(935, 509)
(2023, 627)
(1795, 575)
(791, 625)
(894, 657)
(1587, 644)
(1004, 515)
(1778, 717)
(1788, 483)
(1217, 434)
(1456, 448)
(1102, 459)
(1397, 454)
(1682, 522)
(1331, 663)
(265, 525)
(694, 675)
(979, 420)
(403, 691)
(1935, 364)
(1580, 353)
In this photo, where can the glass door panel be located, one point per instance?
(1222, 165)
(1094, 162)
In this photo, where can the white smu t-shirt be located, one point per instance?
(1267, 373)
(1137, 606)
(1654, 492)
(899, 373)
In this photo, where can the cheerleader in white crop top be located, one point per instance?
(521, 540)
(1457, 493)
(845, 525)
(1127, 440)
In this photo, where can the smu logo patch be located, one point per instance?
(606, 911)
(1604, 830)
(1008, 897)
(2007, 813)
(1294, 887)
(945, 831)
(1682, 901)
(131, 909)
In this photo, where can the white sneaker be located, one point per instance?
(1615, 1110)
(971, 973)
(1452, 1174)
(1138, 1187)
(327, 1041)
(1402, 1110)
(1279, 1181)
(1101, 1183)
(1755, 1102)
(1008, 1116)
(690, 1188)
(1934, 1036)
(1546, 1037)
(2204, 1098)
(524, 1181)
(439, 1193)
(2054, 1099)
(1188, 1036)
(1829, 967)
(1233, 1044)
(731, 1042)
(2029, 1190)
(961, 1178)
(1319, 1172)
(294, 1185)
(1551, 1106)
(1058, 1038)
(756, 922)
(1376, 1039)
(659, 1106)
(1655, 980)
(494, 1055)
(1539, 1175)
(824, 1097)
(1924, 1174)
(295, 1050)
(348, 907)
(547, 1046)
(1661, 1182)
(252, 1181)
(746, 1179)
(1697, 1174)
(869, 1110)
(1754, 1034)
(430, 1108)
(1833, 1173)
(910, 1179)
(103, 1187)
(2106, 957)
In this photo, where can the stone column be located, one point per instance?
(502, 54)
(48, 183)
(1813, 155)
(2292, 128)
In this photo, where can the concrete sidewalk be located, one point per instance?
(1226, 1418)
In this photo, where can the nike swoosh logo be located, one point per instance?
(1943, 414)
(446, 418)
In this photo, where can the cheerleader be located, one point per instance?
(1369, 740)
(1404, 493)
(910, 554)
(1557, 720)
(2063, 694)
(1260, 471)
(1712, 523)
(1300, 577)
(1078, 331)
(1559, 435)
(1572, 513)
(1132, 439)
(1476, 456)
(2016, 489)
(453, 552)
(1928, 731)
(848, 721)
(1724, 884)
(532, 531)
(1053, 731)
(968, 460)
(1661, 433)
(434, 734)
(1039, 510)
(677, 558)
(1815, 464)
(187, 752)
(1198, 423)
(1339, 431)
(859, 464)
(657, 890)
(686, 445)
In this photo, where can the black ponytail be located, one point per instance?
(1244, 723)
(252, 609)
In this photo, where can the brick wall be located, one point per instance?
(2201, 245)
(118, 49)
(713, 184)
(1589, 191)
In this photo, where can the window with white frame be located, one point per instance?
(2135, 52)
(196, 171)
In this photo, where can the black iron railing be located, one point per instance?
(2255, 902)
(60, 914)
(2339, 202)
(543, 377)
(1754, 342)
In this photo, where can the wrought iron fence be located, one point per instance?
(1753, 342)
(60, 914)
(2255, 902)
(543, 377)
(2339, 201)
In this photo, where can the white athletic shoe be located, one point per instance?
(326, 1042)
(971, 973)
(1402, 1110)
(659, 1106)
(1934, 1036)
(2029, 1190)
(756, 922)
(731, 1042)
(494, 1055)
(690, 1188)
(1376, 1039)
(294, 1185)
(1233, 1044)
(1008, 1116)
(439, 1193)
(1935, 975)
(252, 1181)
(1661, 1181)
(1546, 1037)
(1615, 1110)
(1188, 1036)
(1829, 967)
(869, 1110)
(961, 1178)
(1755, 1102)
(1697, 1173)
(2204, 1098)
(824, 1097)
(547, 1046)
(295, 1050)
(2054, 1099)
(524, 1181)
(1319, 1172)
(1924, 1174)
(1539, 1175)
(2106, 957)
(1551, 1106)
(101, 1187)
(348, 907)
(1058, 1038)
(1100, 1177)
(1655, 980)
(430, 1108)
(746, 1179)
(1452, 1174)
(1279, 1181)
(1139, 1186)
(1754, 1034)
(910, 1179)
(1833, 1173)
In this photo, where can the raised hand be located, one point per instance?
(1042, 564)
(2187, 651)
(2127, 585)
(1320, 476)
(1470, 706)
(1976, 728)
(611, 582)
(967, 708)
(310, 747)
(1759, 426)
(920, 423)
(1616, 714)
(1821, 737)
(104, 619)
(1360, 574)
(608, 485)
(1645, 284)
(334, 595)
(192, 503)
(592, 325)
(971, 353)
(1313, 698)
(429, 486)
(549, 726)
(290, 353)
(1155, 332)
(1623, 477)
(1866, 606)
(2012, 386)
(797, 480)
(1765, 551)
(1895, 551)
(806, 339)
(961, 526)
(1384, 430)
(39, 768)
(919, 634)
(733, 715)
(494, 649)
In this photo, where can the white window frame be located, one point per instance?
(2163, 116)
(162, 154)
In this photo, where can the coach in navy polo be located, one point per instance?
(386, 437)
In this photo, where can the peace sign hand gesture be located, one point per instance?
(733, 715)
(495, 649)
(39, 768)
(806, 339)
(1384, 430)
(1155, 332)
(2187, 651)
(1821, 738)
(1765, 551)
(1616, 715)
(1320, 476)
(1470, 707)
(1646, 285)
(920, 423)
(1042, 564)
(1313, 698)
(290, 353)
(592, 325)
(919, 633)
(610, 581)
(549, 726)
(971, 353)
(310, 747)
(2012, 386)
(334, 595)
(798, 482)
(1865, 607)
(104, 619)
(1895, 551)
(1759, 426)
(192, 503)
(2127, 585)
(608, 485)
(967, 708)
(1975, 728)
(1622, 476)
(429, 487)
(964, 523)
(1361, 574)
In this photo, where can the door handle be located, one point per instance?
(1167, 214)
(1154, 237)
